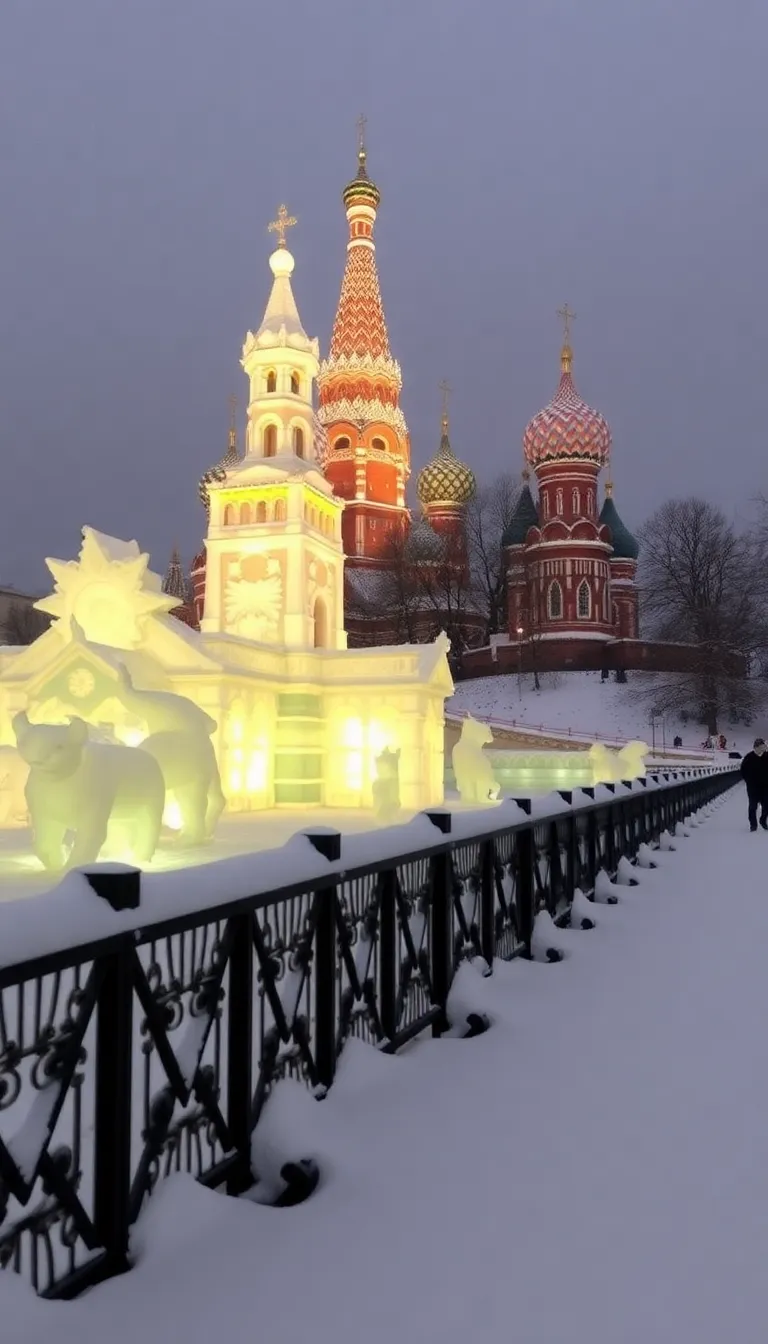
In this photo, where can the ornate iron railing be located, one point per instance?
(154, 1050)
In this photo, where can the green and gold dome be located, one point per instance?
(445, 481)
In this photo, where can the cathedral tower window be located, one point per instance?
(245, 514)
(378, 445)
(270, 441)
(559, 501)
(271, 381)
(545, 503)
(229, 515)
(298, 441)
(279, 510)
(342, 445)
(261, 512)
(584, 602)
(295, 383)
(555, 601)
(576, 501)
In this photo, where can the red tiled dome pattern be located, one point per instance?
(567, 429)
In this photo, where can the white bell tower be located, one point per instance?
(275, 567)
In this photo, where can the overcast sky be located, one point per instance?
(607, 153)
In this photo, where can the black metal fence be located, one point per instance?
(154, 1051)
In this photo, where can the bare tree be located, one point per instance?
(488, 516)
(697, 585)
(24, 624)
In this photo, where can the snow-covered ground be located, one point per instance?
(591, 1169)
(585, 705)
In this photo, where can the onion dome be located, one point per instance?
(424, 545)
(361, 190)
(625, 546)
(524, 516)
(445, 480)
(567, 429)
(218, 472)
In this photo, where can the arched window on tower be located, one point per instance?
(261, 512)
(584, 602)
(229, 515)
(295, 383)
(270, 441)
(341, 445)
(245, 514)
(279, 510)
(555, 601)
(298, 441)
(545, 503)
(576, 502)
(271, 381)
(559, 502)
(321, 624)
(378, 445)
(590, 502)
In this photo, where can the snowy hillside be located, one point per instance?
(581, 703)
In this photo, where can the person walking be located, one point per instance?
(754, 771)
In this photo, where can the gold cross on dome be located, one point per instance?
(362, 122)
(567, 315)
(281, 225)
(445, 388)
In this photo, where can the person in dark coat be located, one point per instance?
(754, 770)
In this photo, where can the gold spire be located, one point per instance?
(566, 354)
(362, 122)
(280, 225)
(445, 389)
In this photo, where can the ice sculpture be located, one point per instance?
(475, 779)
(180, 741)
(14, 772)
(386, 786)
(609, 767)
(85, 788)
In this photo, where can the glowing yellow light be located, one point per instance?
(130, 737)
(256, 773)
(172, 815)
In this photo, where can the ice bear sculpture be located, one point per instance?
(85, 788)
(632, 760)
(180, 741)
(609, 767)
(386, 786)
(14, 772)
(475, 779)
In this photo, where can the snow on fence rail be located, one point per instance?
(145, 1018)
(574, 734)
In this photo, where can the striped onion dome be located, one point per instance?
(567, 429)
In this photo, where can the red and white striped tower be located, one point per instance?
(359, 388)
(568, 551)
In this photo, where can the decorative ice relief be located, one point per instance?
(254, 606)
(109, 592)
(475, 779)
(180, 742)
(85, 790)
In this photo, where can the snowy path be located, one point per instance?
(592, 1170)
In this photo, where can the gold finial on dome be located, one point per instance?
(609, 489)
(445, 389)
(362, 122)
(566, 354)
(280, 225)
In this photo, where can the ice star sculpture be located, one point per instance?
(108, 591)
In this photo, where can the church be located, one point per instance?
(569, 561)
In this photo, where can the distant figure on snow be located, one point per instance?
(678, 742)
(754, 769)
